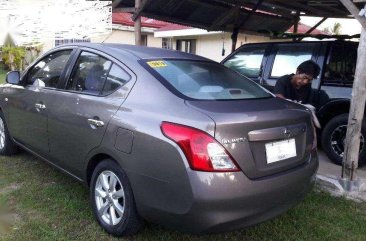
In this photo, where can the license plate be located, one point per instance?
(280, 150)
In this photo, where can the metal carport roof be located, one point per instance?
(258, 16)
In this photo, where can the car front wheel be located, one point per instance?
(112, 200)
(7, 146)
(334, 139)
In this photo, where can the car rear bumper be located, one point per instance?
(228, 201)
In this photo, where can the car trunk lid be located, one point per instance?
(251, 131)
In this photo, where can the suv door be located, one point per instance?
(26, 107)
(79, 115)
(339, 71)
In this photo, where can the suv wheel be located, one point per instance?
(7, 146)
(112, 200)
(334, 137)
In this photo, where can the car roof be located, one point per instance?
(302, 42)
(140, 52)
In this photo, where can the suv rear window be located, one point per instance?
(288, 57)
(247, 61)
(206, 80)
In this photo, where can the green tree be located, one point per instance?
(335, 30)
(12, 55)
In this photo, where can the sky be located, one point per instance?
(34, 21)
(348, 26)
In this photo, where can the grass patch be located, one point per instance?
(52, 206)
(3, 72)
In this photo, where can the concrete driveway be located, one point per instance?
(326, 167)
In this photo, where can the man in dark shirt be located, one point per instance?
(297, 86)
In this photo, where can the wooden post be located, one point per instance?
(296, 24)
(234, 38)
(137, 24)
(356, 114)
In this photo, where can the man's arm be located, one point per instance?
(280, 96)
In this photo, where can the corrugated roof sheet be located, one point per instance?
(271, 16)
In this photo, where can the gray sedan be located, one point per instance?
(160, 135)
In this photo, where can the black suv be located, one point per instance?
(331, 91)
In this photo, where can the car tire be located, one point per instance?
(7, 145)
(121, 217)
(333, 138)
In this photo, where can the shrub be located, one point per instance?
(13, 57)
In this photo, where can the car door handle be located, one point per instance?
(40, 106)
(96, 123)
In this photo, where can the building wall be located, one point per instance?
(211, 46)
(154, 42)
(128, 37)
(122, 37)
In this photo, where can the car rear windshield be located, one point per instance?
(203, 80)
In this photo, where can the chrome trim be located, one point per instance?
(96, 123)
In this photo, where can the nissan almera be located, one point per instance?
(162, 136)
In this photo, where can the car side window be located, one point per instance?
(117, 77)
(247, 61)
(49, 69)
(288, 57)
(89, 74)
(341, 66)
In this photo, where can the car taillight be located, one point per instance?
(202, 151)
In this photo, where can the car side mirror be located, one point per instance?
(13, 77)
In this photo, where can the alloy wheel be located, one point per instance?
(2, 134)
(109, 198)
(338, 139)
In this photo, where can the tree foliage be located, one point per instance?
(335, 30)
(18, 57)
(13, 57)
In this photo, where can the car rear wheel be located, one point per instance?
(7, 145)
(334, 138)
(112, 200)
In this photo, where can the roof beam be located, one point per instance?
(172, 6)
(209, 5)
(303, 8)
(175, 20)
(254, 9)
(316, 25)
(140, 9)
(240, 23)
(353, 9)
(224, 17)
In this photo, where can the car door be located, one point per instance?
(27, 110)
(79, 115)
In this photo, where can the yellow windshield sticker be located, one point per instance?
(157, 64)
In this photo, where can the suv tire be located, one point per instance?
(112, 200)
(333, 138)
(7, 145)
